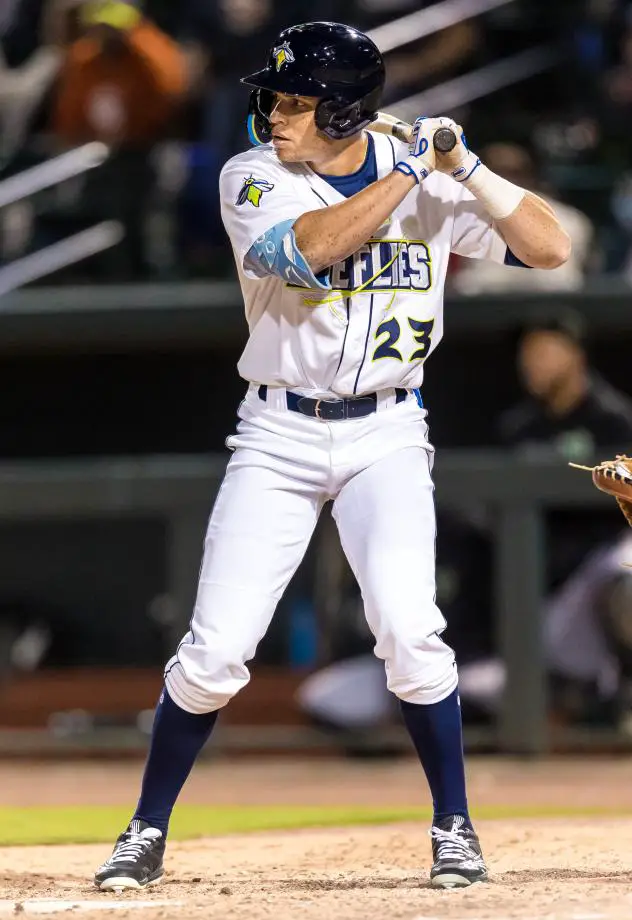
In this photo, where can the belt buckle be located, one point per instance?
(317, 410)
(331, 402)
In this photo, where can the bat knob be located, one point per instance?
(444, 140)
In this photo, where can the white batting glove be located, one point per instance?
(421, 161)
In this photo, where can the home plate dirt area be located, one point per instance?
(542, 868)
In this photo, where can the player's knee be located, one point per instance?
(424, 674)
(200, 680)
(196, 700)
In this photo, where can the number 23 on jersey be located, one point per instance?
(390, 332)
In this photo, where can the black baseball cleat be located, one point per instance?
(136, 860)
(456, 852)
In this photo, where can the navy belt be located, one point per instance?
(335, 410)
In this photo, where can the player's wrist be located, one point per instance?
(414, 166)
(499, 196)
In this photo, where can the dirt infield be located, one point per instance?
(558, 869)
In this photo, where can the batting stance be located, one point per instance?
(341, 239)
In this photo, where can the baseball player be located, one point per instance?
(341, 239)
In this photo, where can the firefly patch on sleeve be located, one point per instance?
(252, 190)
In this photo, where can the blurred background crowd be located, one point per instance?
(158, 82)
(544, 92)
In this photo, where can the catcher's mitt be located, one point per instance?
(614, 477)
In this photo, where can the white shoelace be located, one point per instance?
(452, 845)
(134, 847)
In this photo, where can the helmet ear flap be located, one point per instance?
(259, 109)
(337, 120)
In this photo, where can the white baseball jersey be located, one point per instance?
(383, 315)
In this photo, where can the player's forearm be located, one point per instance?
(534, 234)
(329, 235)
(528, 224)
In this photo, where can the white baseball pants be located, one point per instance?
(285, 466)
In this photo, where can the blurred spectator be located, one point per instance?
(121, 81)
(571, 412)
(477, 276)
(569, 408)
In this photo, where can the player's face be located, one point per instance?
(546, 360)
(295, 136)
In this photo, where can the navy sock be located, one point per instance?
(177, 738)
(436, 732)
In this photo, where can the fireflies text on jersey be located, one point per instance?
(385, 265)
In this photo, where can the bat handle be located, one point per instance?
(444, 140)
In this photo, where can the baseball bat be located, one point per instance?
(444, 139)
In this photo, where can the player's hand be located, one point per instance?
(460, 161)
(422, 158)
(421, 146)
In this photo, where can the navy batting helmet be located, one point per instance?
(329, 60)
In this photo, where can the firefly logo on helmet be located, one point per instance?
(282, 55)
